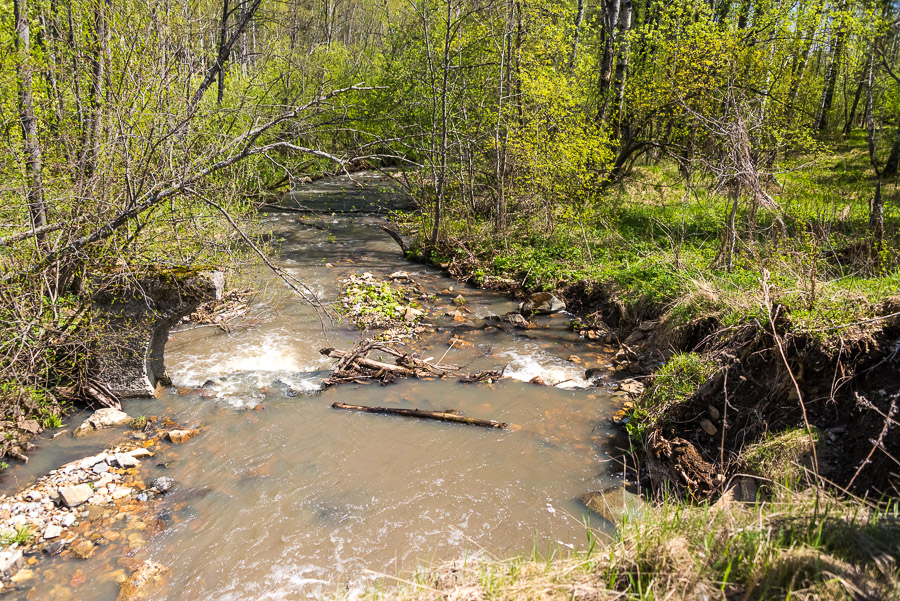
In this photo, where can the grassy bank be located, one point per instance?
(790, 547)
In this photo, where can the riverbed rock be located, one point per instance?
(10, 562)
(75, 495)
(163, 484)
(400, 275)
(541, 303)
(137, 317)
(613, 503)
(181, 436)
(83, 549)
(143, 584)
(412, 314)
(631, 386)
(513, 318)
(52, 531)
(125, 461)
(101, 420)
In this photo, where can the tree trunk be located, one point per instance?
(622, 62)
(94, 130)
(870, 113)
(223, 36)
(831, 75)
(441, 187)
(856, 97)
(579, 18)
(34, 194)
(610, 24)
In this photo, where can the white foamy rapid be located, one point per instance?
(241, 373)
(552, 370)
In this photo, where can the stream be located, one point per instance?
(282, 497)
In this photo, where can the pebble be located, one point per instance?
(180, 436)
(708, 427)
(75, 495)
(163, 484)
(84, 549)
(52, 531)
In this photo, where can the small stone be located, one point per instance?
(10, 561)
(460, 300)
(78, 578)
(537, 380)
(180, 436)
(708, 427)
(75, 495)
(54, 548)
(163, 484)
(713, 412)
(575, 359)
(52, 531)
(139, 453)
(34, 495)
(400, 275)
(141, 585)
(100, 468)
(411, 314)
(67, 520)
(126, 461)
(84, 549)
(22, 575)
(142, 497)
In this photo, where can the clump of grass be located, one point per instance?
(674, 383)
(782, 457)
(138, 423)
(20, 535)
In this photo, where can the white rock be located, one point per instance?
(126, 461)
(75, 495)
(52, 531)
(141, 452)
(10, 562)
(100, 468)
(34, 495)
(101, 420)
(67, 520)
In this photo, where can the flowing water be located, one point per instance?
(283, 497)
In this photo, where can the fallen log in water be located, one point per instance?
(437, 415)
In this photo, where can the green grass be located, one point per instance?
(673, 383)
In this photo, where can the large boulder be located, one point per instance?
(136, 318)
(541, 303)
(102, 419)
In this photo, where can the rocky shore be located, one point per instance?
(81, 507)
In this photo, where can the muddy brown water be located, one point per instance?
(283, 497)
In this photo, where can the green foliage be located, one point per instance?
(673, 383)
